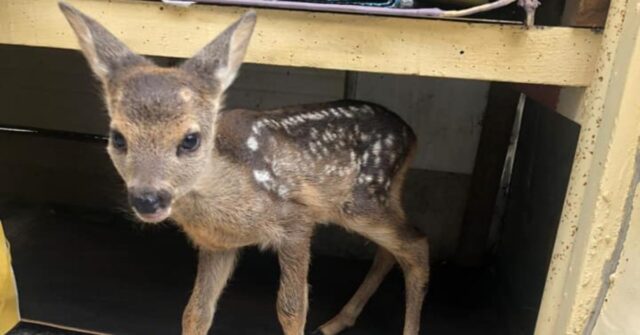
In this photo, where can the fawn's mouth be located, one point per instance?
(160, 215)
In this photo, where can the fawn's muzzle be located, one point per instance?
(149, 202)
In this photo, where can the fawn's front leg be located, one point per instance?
(293, 294)
(214, 269)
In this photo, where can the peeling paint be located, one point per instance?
(554, 55)
(621, 303)
(610, 267)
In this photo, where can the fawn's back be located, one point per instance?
(344, 156)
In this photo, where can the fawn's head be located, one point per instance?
(162, 119)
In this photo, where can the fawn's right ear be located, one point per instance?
(104, 52)
(219, 61)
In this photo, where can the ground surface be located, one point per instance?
(26, 328)
(99, 271)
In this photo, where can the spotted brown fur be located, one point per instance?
(363, 140)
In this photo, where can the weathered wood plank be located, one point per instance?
(497, 52)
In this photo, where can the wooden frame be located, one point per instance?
(489, 51)
(604, 178)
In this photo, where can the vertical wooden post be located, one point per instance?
(602, 181)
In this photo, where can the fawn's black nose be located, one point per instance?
(146, 201)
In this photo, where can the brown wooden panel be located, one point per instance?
(586, 13)
(485, 182)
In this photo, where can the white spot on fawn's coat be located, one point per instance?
(252, 143)
(389, 140)
(262, 176)
(376, 148)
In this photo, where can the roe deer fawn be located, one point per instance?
(234, 178)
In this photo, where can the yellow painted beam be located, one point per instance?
(439, 48)
(9, 315)
(599, 200)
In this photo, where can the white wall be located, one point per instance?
(445, 113)
(259, 87)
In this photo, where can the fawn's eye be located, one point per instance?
(118, 141)
(190, 143)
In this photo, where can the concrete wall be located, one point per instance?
(53, 89)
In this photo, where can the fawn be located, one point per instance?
(234, 178)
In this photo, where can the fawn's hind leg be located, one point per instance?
(416, 277)
(382, 264)
(411, 250)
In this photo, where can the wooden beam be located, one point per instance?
(439, 48)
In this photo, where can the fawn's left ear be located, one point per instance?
(104, 52)
(219, 61)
